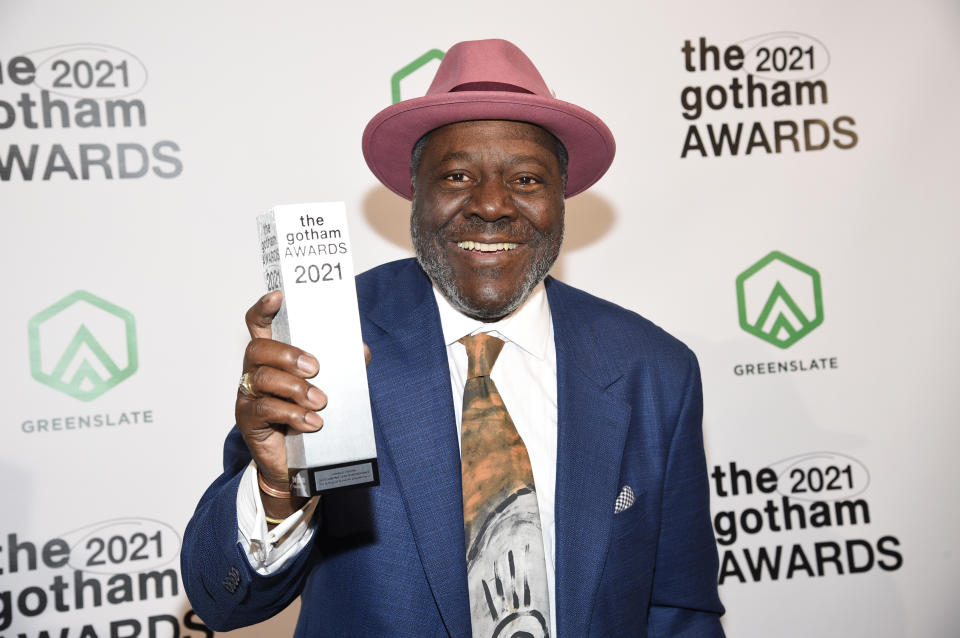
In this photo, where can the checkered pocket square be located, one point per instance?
(624, 499)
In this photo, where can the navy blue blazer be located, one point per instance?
(389, 560)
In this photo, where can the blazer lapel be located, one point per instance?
(410, 386)
(592, 427)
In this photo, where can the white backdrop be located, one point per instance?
(161, 131)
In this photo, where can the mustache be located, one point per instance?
(517, 230)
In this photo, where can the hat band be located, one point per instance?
(490, 86)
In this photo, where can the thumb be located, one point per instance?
(260, 315)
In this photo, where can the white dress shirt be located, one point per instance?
(526, 376)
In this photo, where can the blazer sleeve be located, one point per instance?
(225, 591)
(684, 602)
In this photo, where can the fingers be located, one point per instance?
(260, 315)
(260, 415)
(277, 383)
(266, 352)
(366, 353)
(282, 402)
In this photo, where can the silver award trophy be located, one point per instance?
(306, 254)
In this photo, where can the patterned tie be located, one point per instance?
(506, 570)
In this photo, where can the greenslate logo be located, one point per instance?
(410, 69)
(779, 299)
(82, 345)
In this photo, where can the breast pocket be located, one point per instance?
(634, 536)
(624, 592)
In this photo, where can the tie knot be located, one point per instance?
(482, 352)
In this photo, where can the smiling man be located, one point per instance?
(487, 219)
(541, 461)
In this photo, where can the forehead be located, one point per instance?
(490, 134)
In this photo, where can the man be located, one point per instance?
(541, 461)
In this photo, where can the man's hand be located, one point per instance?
(284, 399)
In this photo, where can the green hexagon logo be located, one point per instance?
(779, 299)
(410, 69)
(82, 345)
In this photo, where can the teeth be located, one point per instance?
(486, 248)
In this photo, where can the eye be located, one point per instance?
(456, 177)
(527, 182)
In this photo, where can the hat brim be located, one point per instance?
(389, 137)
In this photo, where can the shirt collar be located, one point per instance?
(529, 326)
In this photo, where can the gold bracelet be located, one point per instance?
(270, 491)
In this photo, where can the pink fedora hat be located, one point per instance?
(486, 80)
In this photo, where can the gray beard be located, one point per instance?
(430, 255)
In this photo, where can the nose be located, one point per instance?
(491, 200)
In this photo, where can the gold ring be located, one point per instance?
(246, 385)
